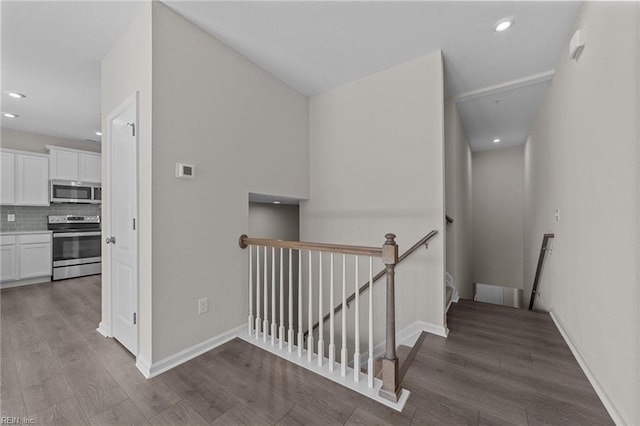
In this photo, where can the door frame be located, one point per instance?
(106, 326)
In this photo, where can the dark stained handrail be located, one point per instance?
(543, 250)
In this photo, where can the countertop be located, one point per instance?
(24, 232)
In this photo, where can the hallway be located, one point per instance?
(498, 366)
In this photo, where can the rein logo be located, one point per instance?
(6, 420)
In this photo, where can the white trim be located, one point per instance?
(335, 376)
(144, 366)
(606, 401)
(31, 153)
(509, 85)
(27, 281)
(102, 329)
(150, 370)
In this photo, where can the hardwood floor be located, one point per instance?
(498, 366)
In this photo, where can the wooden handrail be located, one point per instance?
(301, 245)
(423, 241)
(543, 249)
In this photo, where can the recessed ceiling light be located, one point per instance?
(496, 140)
(16, 95)
(98, 133)
(10, 115)
(504, 24)
(276, 202)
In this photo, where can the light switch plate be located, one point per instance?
(11, 218)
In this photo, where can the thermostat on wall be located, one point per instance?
(185, 171)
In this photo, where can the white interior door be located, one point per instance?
(123, 241)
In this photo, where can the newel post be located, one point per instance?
(390, 377)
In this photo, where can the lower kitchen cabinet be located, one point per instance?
(8, 261)
(25, 257)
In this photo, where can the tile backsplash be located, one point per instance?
(29, 218)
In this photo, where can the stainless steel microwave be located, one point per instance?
(75, 192)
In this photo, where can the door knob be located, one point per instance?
(110, 240)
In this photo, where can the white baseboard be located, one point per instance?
(28, 281)
(102, 329)
(361, 386)
(144, 366)
(606, 401)
(150, 370)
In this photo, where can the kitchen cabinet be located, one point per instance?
(8, 258)
(74, 165)
(63, 164)
(7, 174)
(25, 178)
(90, 168)
(32, 180)
(25, 256)
(34, 255)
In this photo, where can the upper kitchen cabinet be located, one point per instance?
(8, 175)
(63, 164)
(32, 183)
(74, 165)
(25, 178)
(90, 168)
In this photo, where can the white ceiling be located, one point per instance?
(51, 50)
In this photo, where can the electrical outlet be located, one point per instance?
(11, 218)
(557, 215)
(203, 305)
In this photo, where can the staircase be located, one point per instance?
(282, 294)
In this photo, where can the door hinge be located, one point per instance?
(134, 223)
(135, 318)
(133, 128)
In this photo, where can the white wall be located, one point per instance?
(377, 166)
(458, 200)
(498, 216)
(245, 131)
(582, 157)
(126, 69)
(34, 142)
(281, 221)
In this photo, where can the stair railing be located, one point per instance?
(424, 241)
(272, 336)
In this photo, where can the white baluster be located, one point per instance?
(281, 330)
(343, 351)
(300, 333)
(290, 298)
(370, 372)
(274, 325)
(320, 322)
(265, 323)
(356, 354)
(310, 333)
(258, 322)
(332, 343)
(250, 319)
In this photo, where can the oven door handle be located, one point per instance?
(76, 234)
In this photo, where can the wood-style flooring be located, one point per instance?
(499, 366)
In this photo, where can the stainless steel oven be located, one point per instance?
(76, 246)
(75, 192)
